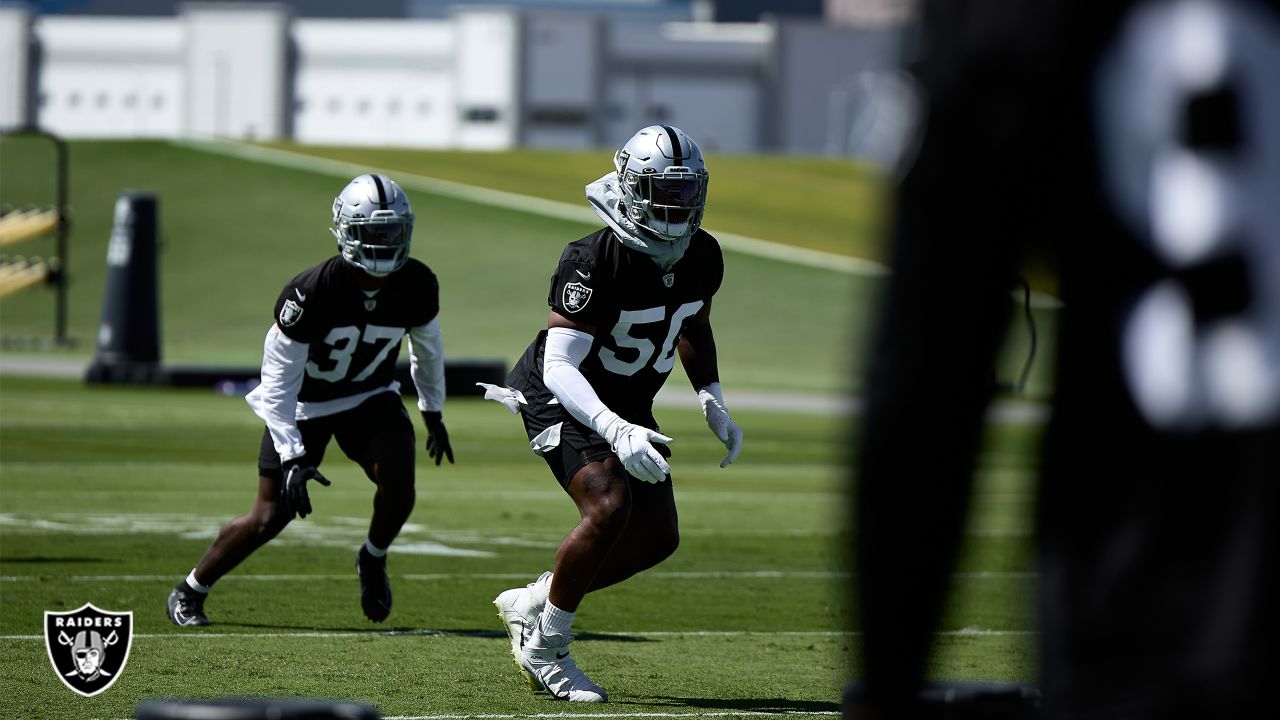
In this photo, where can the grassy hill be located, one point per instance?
(233, 231)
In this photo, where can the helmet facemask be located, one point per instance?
(663, 183)
(373, 224)
(669, 204)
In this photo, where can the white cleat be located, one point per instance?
(547, 666)
(518, 609)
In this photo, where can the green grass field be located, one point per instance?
(110, 495)
(233, 231)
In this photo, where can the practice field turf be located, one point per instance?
(109, 495)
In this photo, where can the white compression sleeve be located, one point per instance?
(426, 364)
(275, 400)
(564, 352)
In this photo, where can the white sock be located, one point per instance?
(554, 621)
(195, 584)
(374, 550)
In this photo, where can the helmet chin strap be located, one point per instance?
(605, 199)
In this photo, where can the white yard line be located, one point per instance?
(429, 577)
(643, 714)
(638, 714)
(609, 715)
(740, 399)
(528, 204)
(572, 212)
(498, 635)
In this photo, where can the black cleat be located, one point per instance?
(375, 588)
(186, 606)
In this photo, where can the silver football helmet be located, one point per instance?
(373, 223)
(663, 182)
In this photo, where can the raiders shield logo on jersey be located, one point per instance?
(669, 279)
(88, 647)
(576, 296)
(290, 313)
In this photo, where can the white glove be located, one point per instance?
(718, 420)
(634, 446)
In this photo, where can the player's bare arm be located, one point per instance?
(556, 320)
(697, 349)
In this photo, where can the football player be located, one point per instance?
(625, 300)
(328, 369)
(1136, 145)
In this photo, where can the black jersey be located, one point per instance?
(638, 310)
(1159, 505)
(354, 337)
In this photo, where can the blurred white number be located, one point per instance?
(1197, 203)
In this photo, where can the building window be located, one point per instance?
(157, 102)
(73, 100)
(102, 100)
(424, 107)
(335, 106)
(362, 107)
(480, 114)
(393, 106)
(561, 116)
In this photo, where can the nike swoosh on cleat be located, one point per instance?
(563, 655)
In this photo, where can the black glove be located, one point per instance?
(438, 446)
(295, 487)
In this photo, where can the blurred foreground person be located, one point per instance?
(1141, 142)
(328, 372)
(625, 301)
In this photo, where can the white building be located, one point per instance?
(485, 77)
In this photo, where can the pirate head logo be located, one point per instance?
(576, 296)
(88, 647)
(290, 313)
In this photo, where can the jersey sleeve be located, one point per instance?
(425, 295)
(579, 288)
(715, 264)
(296, 314)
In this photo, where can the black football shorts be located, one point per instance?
(578, 444)
(378, 431)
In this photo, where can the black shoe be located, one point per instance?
(375, 588)
(186, 606)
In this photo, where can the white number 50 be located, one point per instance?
(644, 347)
